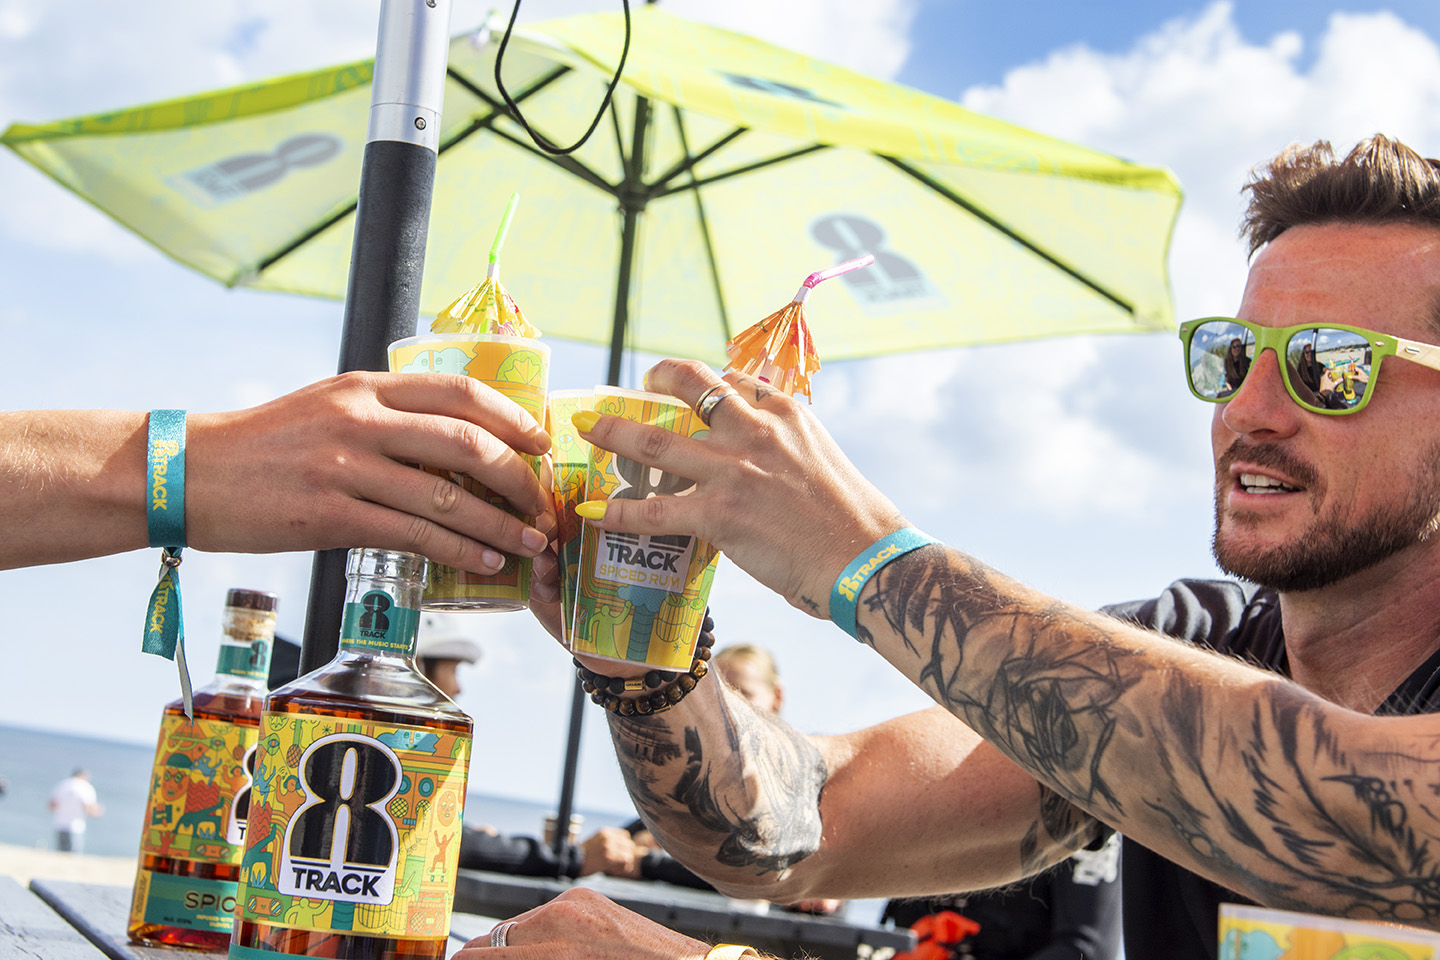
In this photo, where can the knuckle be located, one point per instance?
(655, 442)
(445, 496)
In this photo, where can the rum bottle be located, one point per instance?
(359, 788)
(194, 833)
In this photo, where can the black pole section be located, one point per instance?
(632, 204)
(382, 305)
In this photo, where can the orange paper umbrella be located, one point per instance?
(779, 349)
(487, 307)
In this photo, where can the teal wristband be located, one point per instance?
(165, 522)
(165, 493)
(846, 593)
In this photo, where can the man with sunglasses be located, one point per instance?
(1055, 724)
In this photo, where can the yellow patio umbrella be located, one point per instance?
(726, 167)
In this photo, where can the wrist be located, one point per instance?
(845, 594)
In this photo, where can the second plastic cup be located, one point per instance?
(571, 456)
(519, 368)
(640, 598)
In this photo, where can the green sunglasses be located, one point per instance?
(1330, 369)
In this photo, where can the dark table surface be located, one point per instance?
(66, 920)
(69, 920)
(702, 914)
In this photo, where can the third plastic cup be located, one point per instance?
(517, 367)
(641, 598)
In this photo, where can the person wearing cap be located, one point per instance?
(440, 649)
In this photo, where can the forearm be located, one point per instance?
(72, 485)
(1237, 774)
(731, 793)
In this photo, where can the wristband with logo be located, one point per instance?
(846, 593)
(165, 524)
(730, 951)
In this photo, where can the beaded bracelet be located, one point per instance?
(668, 688)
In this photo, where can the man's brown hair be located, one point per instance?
(1379, 181)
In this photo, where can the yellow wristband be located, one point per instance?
(730, 951)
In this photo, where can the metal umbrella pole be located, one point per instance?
(387, 258)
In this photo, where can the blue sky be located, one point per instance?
(1080, 465)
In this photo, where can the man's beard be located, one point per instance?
(1336, 545)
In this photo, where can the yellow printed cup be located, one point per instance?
(519, 368)
(570, 456)
(640, 598)
(1247, 931)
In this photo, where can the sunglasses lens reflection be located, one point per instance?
(1329, 368)
(1221, 352)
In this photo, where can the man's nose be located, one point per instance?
(1262, 405)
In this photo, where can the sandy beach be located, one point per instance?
(23, 863)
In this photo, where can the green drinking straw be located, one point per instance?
(494, 268)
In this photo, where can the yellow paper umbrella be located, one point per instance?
(488, 307)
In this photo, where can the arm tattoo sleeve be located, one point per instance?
(749, 791)
(1245, 781)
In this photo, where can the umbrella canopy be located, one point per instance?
(734, 167)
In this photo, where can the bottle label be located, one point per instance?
(377, 622)
(245, 643)
(190, 902)
(200, 790)
(355, 826)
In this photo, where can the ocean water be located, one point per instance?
(33, 761)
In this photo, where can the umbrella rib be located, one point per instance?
(689, 162)
(566, 162)
(739, 170)
(704, 223)
(989, 220)
(496, 112)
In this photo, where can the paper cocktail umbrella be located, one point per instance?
(778, 349)
(487, 307)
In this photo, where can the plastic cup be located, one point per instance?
(570, 456)
(640, 598)
(519, 368)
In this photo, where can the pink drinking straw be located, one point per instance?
(821, 275)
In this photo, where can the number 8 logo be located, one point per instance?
(347, 782)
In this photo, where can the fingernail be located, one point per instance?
(585, 420)
(492, 559)
(591, 509)
(645, 379)
(534, 539)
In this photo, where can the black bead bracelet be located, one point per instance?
(666, 688)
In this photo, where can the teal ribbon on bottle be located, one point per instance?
(165, 523)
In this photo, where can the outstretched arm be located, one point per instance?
(1232, 772)
(914, 806)
(329, 465)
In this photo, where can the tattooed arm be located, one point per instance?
(1230, 771)
(918, 805)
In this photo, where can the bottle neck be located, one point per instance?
(381, 619)
(245, 641)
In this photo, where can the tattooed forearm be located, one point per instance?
(749, 791)
(1243, 777)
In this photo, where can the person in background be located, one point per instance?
(72, 802)
(441, 647)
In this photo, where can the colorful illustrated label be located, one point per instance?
(379, 622)
(1258, 933)
(641, 598)
(199, 790)
(355, 827)
(518, 368)
(189, 902)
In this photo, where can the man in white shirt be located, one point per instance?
(71, 802)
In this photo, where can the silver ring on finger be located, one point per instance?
(498, 935)
(711, 399)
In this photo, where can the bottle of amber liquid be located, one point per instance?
(194, 832)
(354, 831)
